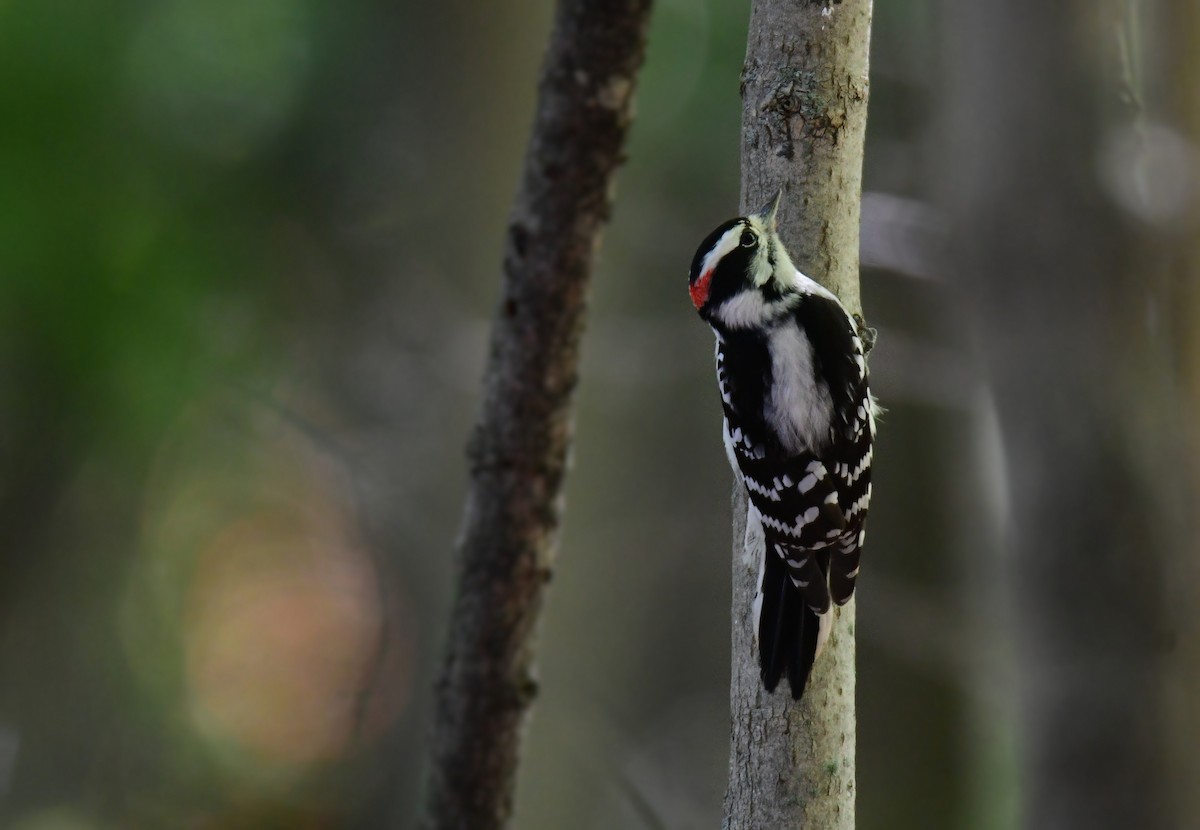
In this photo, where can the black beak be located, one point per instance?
(767, 214)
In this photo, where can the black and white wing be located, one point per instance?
(811, 503)
(840, 350)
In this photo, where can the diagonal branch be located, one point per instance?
(519, 448)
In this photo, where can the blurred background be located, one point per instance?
(248, 257)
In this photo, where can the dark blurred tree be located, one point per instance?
(1178, 103)
(804, 110)
(1056, 228)
(518, 453)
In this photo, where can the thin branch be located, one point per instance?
(804, 101)
(519, 448)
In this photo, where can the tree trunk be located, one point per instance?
(1065, 285)
(519, 449)
(1179, 31)
(804, 108)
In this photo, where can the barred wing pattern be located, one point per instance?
(812, 504)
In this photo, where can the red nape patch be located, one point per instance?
(699, 289)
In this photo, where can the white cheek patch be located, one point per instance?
(744, 309)
(761, 267)
(750, 308)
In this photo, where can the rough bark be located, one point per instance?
(804, 107)
(1063, 284)
(518, 452)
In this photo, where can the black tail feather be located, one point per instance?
(787, 630)
(805, 653)
(775, 621)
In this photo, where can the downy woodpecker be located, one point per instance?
(799, 425)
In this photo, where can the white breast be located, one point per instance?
(799, 407)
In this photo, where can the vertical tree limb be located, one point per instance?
(1178, 87)
(804, 109)
(519, 449)
(1063, 282)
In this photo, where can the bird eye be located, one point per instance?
(748, 240)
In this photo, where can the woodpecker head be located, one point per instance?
(741, 275)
